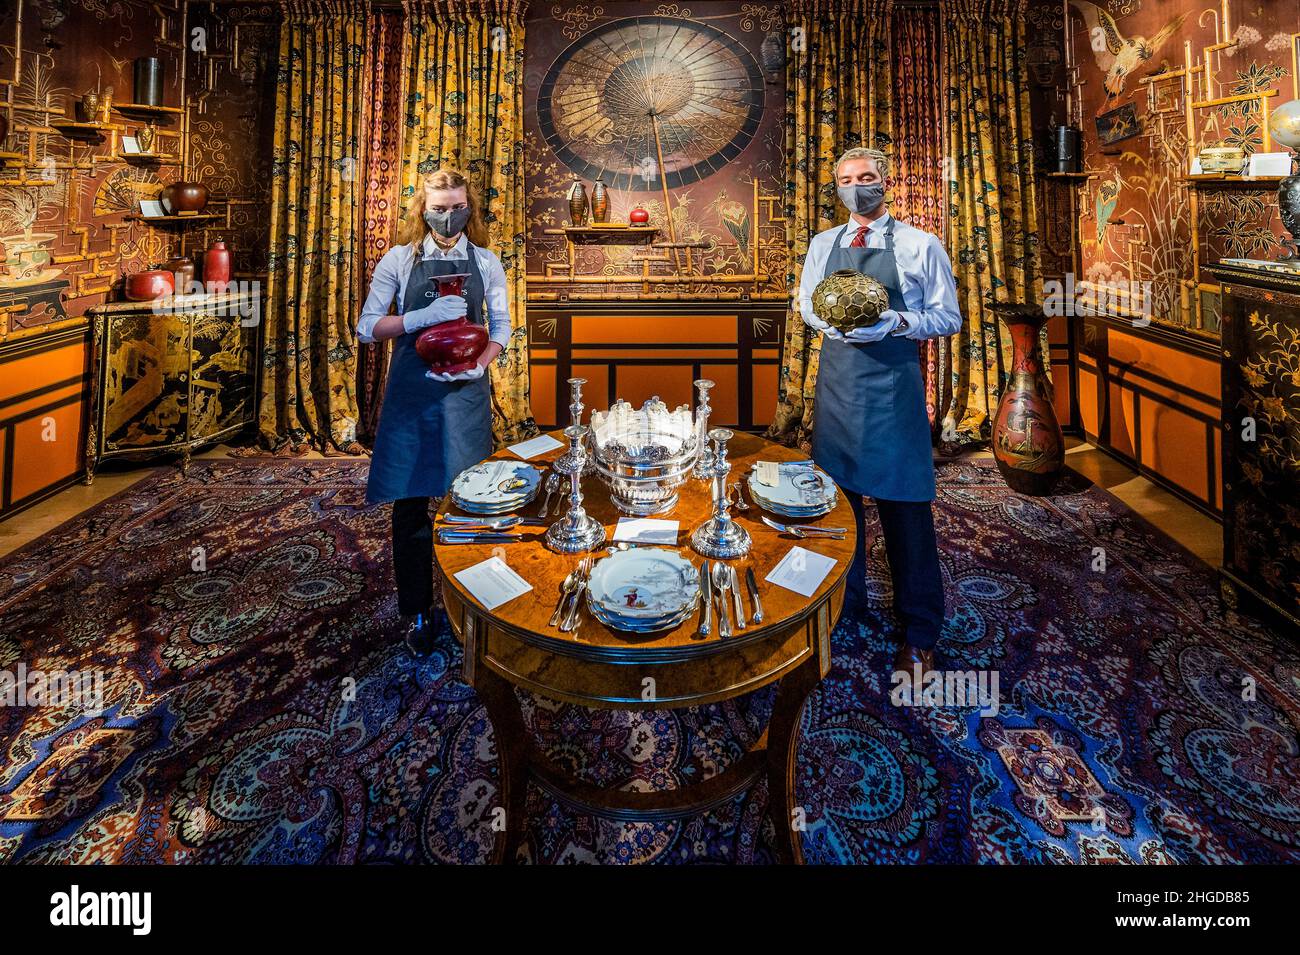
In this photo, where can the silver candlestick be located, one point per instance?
(720, 537)
(576, 531)
(568, 461)
(703, 463)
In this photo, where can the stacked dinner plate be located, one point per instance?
(802, 491)
(643, 590)
(495, 487)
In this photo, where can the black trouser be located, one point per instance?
(413, 554)
(913, 554)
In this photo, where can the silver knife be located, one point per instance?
(475, 537)
(737, 598)
(706, 622)
(752, 581)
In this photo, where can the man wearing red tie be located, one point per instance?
(870, 431)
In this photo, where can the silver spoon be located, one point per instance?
(739, 503)
(552, 485)
(721, 581)
(566, 588)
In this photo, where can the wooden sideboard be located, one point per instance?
(171, 381)
(1261, 438)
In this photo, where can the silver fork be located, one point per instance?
(806, 530)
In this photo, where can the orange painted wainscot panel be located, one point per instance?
(43, 386)
(541, 385)
(685, 340)
(1176, 392)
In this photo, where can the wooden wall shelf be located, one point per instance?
(610, 235)
(73, 130)
(1212, 180)
(146, 159)
(171, 220)
(152, 114)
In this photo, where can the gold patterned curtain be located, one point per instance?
(465, 71)
(919, 185)
(992, 236)
(838, 85)
(314, 275)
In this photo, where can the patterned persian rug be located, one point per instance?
(262, 710)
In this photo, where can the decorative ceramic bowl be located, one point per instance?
(847, 299)
(185, 197)
(150, 284)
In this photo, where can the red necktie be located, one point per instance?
(859, 238)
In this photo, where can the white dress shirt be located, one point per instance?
(924, 277)
(388, 285)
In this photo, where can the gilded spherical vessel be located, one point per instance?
(846, 300)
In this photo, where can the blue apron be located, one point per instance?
(870, 429)
(429, 431)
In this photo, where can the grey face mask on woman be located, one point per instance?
(862, 199)
(447, 223)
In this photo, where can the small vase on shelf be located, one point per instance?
(599, 202)
(216, 268)
(577, 196)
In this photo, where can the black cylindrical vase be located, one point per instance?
(148, 81)
(1066, 158)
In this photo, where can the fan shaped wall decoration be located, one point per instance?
(640, 95)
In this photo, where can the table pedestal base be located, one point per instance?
(773, 755)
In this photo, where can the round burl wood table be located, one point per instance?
(594, 666)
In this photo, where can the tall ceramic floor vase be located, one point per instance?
(1027, 442)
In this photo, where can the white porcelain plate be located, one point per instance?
(497, 483)
(644, 583)
(800, 488)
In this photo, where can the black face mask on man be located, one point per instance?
(447, 223)
(862, 199)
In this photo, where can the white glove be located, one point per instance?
(833, 333)
(469, 375)
(889, 320)
(443, 309)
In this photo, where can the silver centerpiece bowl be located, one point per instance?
(645, 455)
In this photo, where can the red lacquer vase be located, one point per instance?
(1027, 442)
(216, 267)
(451, 347)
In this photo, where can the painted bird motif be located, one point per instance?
(1107, 200)
(735, 218)
(1117, 56)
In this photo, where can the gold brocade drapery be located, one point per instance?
(992, 235)
(314, 273)
(465, 71)
(838, 85)
(920, 196)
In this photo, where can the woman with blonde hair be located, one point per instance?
(430, 427)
